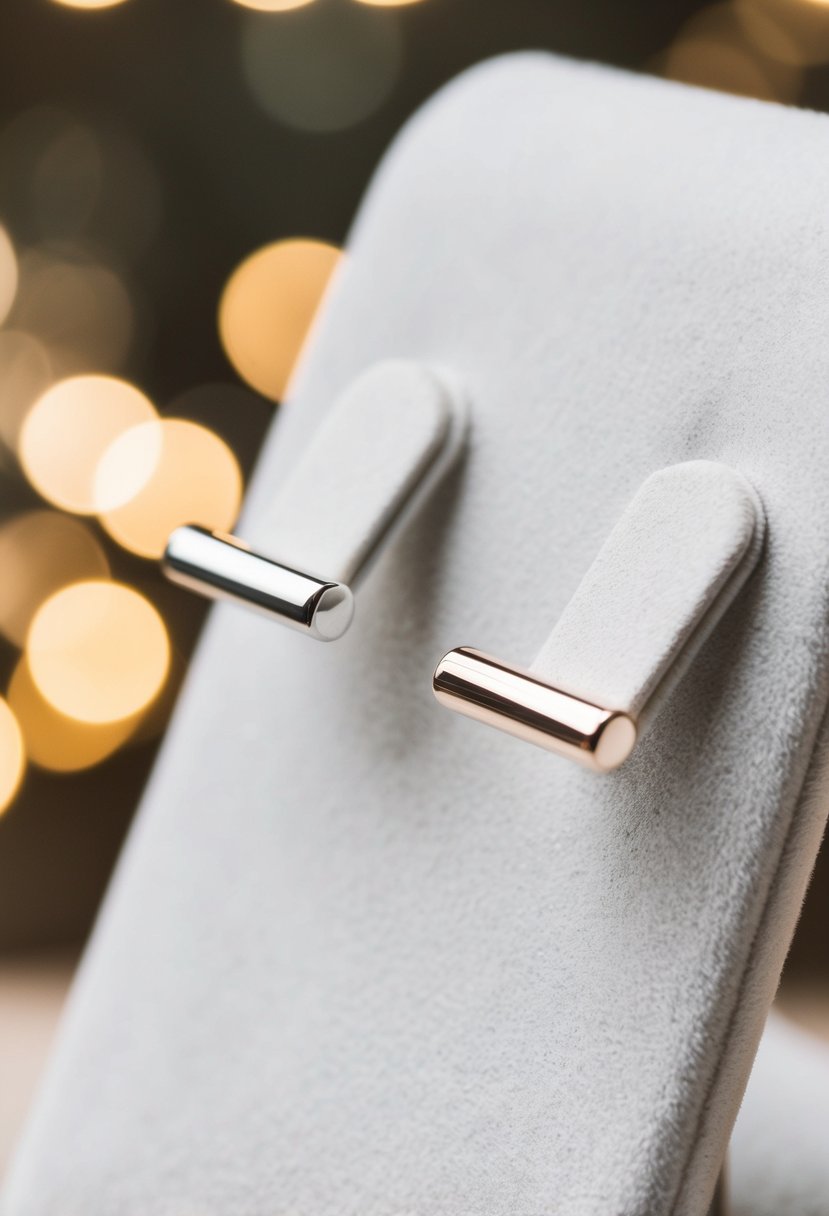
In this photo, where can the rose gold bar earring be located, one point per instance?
(670, 568)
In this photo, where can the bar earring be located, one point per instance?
(380, 452)
(669, 570)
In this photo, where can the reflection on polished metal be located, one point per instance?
(520, 704)
(365, 472)
(670, 568)
(222, 567)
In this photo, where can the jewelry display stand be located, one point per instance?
(365, 956)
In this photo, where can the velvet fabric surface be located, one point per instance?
(362, 957)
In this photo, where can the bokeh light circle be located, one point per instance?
(267, 308)
(715, 64)
(98, 651)
(40, 552)
(12, 755)
(794, 32)
(58, 743)
(323, 67)
(272, 6)
(8, 274)
(177, 472)
(67, 431)
(88, 3)
(767, 33)
(25, 373)
(737, 46)
(79, 307)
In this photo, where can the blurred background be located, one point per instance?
(177, 180)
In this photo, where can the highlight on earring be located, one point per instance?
(366, 471)
(658, 588)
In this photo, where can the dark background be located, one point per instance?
(166, 75)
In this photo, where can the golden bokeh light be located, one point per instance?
(25, 373)
(67, 431)
(88, 3)
(77, 306)
(272, 6)
(179, 473)
(54, 741)
(767, 33)
(268, 306)
(714, 50)
(12, 755)
(714, 64)
(8, 274)
(792, 32)
(98, 651)
(40, 552)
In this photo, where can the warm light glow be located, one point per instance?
(767, 33)
(54, 741)
(98, 651)
(12, 755)
(40, 552)
(178, 473)
(268, 306)
(272, 6)
(89, 3)
(323, 67)
(67, 431)
(727, 47)
(8, 274)
(25, 373)
(77, 306)
(717, 65)
(792, 32)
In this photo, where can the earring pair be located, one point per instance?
(668, 571)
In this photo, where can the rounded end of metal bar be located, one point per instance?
(613, 742)
(224, 568)
(333, 613)
(518, 703)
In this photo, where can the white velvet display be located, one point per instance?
(672, 565)
(362, 958)
(383, 435)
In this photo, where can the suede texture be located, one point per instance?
(382, 436)
(362, 957)
(669, 569)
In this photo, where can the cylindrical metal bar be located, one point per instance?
(520, 704)
(222, 567)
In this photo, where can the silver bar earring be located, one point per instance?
(377, 456)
